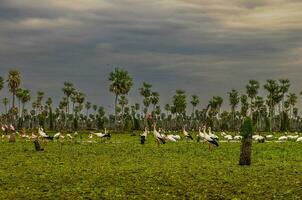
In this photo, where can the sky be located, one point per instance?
(206, 47)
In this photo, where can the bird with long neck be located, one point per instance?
(200, 135)
(188, 135)
(159, 138)
(209, 139)
(144, 136)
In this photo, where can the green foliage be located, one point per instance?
(123, 169)
(247, 128)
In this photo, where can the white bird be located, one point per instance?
(170, 138)
(69, 136)
(75, 133)
(223, 134)
(200, 135)
(144, 136)
(159, 138)
(44, 135)
(210, 139)
(3, 128)
(90, 136)
(228, 137)
(260, 138)
(282, 138)
(269, 137)
(12, 128)
(188, 135)
(299, 139)
(212, 135)
(103, 135)
(237, 137)
(57, 135)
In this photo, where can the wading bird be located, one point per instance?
(209, 139)
(159, 138)
(188, 135)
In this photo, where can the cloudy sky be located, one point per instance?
(205, 47)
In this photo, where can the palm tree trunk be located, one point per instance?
(115, 111)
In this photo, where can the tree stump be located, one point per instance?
(246, 151)
(38, 145)
(247, 131)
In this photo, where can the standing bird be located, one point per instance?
(211, 140)
(144, 136)
(188, 135)
(200, 135)
(159, 138)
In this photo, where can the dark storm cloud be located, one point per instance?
(206, 47)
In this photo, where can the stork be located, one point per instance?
(213, 135)
(211, 140)
(44, 135)
(103, 135)
(144, 136)
(159, 138)
(200, 135)
(188, 135)
(57, 135)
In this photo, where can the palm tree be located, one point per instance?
(284, 87)
(5, 103)
(19, 95)
(14, 81)
(219, 102)
(154, 99)
(145, 91)
(273, 89)
(1, 83)
(180, 104)
(121, 83)
(292, 100)
(122, 102)
(195, 101)
(49, 104)
(258, 105)
(68, 90)
(244, 105)
(87, 106)
(252, 91)
(234, 100)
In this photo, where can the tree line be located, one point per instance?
(276, 111)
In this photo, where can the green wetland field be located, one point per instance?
(121, 168)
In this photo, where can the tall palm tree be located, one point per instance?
(14, 81)
(292, 100)
(252, 91)
(5, 103)
(194, 102)
(1, 83)
(87, 106)
(145, 91)
(273, 90)
(284, 87)
(234, 100)
(154, 99)
(219, 102)
(25, 99)
(19, 95)
(121, 83)
(244, 105)
(68, 90)
(49, 104)
(123, 101)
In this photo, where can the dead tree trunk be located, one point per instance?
(247, 130)
(38, 146)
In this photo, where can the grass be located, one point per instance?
(124, 169)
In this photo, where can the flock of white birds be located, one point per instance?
(161, 136)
